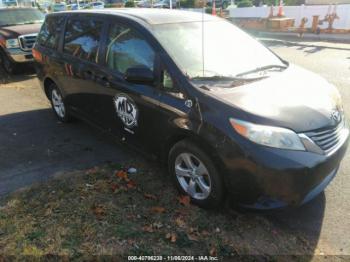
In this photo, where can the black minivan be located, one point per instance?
(228, 116)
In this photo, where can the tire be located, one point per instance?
(9, 66)
(205, 185)
(58, 105)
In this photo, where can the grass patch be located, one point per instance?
(101, 211)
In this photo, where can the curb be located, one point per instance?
(294, 36)
(308, 44)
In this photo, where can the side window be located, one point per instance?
(168, 83)
(126, 48)
(82, 38)
(50, 32)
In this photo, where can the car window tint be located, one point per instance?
(82, 38)
(126, 48)
(50, 32)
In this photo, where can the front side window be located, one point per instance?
(126, 49)
(168, 83)
(82, 38)
(50, 32)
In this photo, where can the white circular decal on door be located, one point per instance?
(126, 109)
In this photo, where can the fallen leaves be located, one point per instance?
(48, 212)
(157, 225)
(193, 234)
(183, 212)
(125, 182)
(213, 252)
(122, 174)
(184, 200)
(114, 187)
(152, 227)
(192, 237)
(158, 210)
(150, 196)
(148, 229)
(171, 237)
(99, 211)
(131, 184)
(205, 233)
(180, 222)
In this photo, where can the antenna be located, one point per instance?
(203, 10)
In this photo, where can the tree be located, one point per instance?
(244, 3)
(130, 3)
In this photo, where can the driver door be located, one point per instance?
(128, 109)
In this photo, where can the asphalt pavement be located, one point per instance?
(326, 220)
(35, 147)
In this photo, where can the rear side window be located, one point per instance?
(82, 38)
(50, 31)
(126, 48)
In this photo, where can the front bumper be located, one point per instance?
(266, 178)
(19, 56)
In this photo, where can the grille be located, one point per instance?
(27, 41)
(329, 139)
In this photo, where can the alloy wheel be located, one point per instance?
(193, 176)
(58, 104)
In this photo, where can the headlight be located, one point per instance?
(12, 43)
(268, 135)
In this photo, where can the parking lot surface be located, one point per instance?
(34, 146)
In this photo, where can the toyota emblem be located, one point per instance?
(335, 115)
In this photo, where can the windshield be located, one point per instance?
(225, 50)
(20, 16)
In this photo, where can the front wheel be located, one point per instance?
(195, 175)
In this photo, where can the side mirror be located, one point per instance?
(139, 75)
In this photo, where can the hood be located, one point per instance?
(295, 98)
(16, 30)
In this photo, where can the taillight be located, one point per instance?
(37, 55)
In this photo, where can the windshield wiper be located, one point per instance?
(4, 25)
(262, 68)
(233, 81)
(33, 22)
(225, 78)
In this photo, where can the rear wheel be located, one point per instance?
(58, 104)
(195, 175)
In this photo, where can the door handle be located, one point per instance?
(103, 80)
(88, 75)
